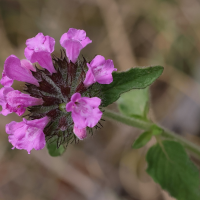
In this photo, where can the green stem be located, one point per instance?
(138, 123)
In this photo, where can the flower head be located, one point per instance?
(62, 101)
(27, 135)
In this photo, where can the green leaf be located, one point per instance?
(134, 103)
(142, 140)
(135, 78)
(53, 150)
(170, 166)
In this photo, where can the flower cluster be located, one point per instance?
(62, 99)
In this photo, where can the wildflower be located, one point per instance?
(73, 41)
(100, 70)
(15, 101)
(16, 70)
(27, 134)
(39, 49)
(62, 101)
(85, 111)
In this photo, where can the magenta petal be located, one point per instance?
(19, 130)
(73, 49)
(97, 61)
(3, 102)
(5, 112)
(76, 34)
(79, 121)
(85, 111)
(69, 106)
(16, 98)
(101, 70)
(92, 120)
(44, 59)
(73, 41)
(34, 139)
(14, 71)
(14, 101)
(35, 42)
(49, 43)
(40, 43)
(63, 38)
(39, 123)
(73, 33)
(80, 133)
(75, 97)
(39, 49)
(86, 41)
(104, 74)
(19, 110)
(6, 81)
(12, 126)
(4, 91)
(27, 65)
(93, 102)
(28, 53)
(22, 135)
(89, 79)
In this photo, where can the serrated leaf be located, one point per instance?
(135, 78)
(170, 166)
(53, 150)
(134, 103)
(142, 140)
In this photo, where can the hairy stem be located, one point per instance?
(141, 124)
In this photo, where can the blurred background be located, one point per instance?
(131, 33)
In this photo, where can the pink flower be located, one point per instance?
(80, 133)
(73, 41)
(39, 49)
(100, 70)
(27, 135)
(85, 112)
(19, 70)
(14, 101)
(6, 81)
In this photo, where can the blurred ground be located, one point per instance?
(132, 33)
